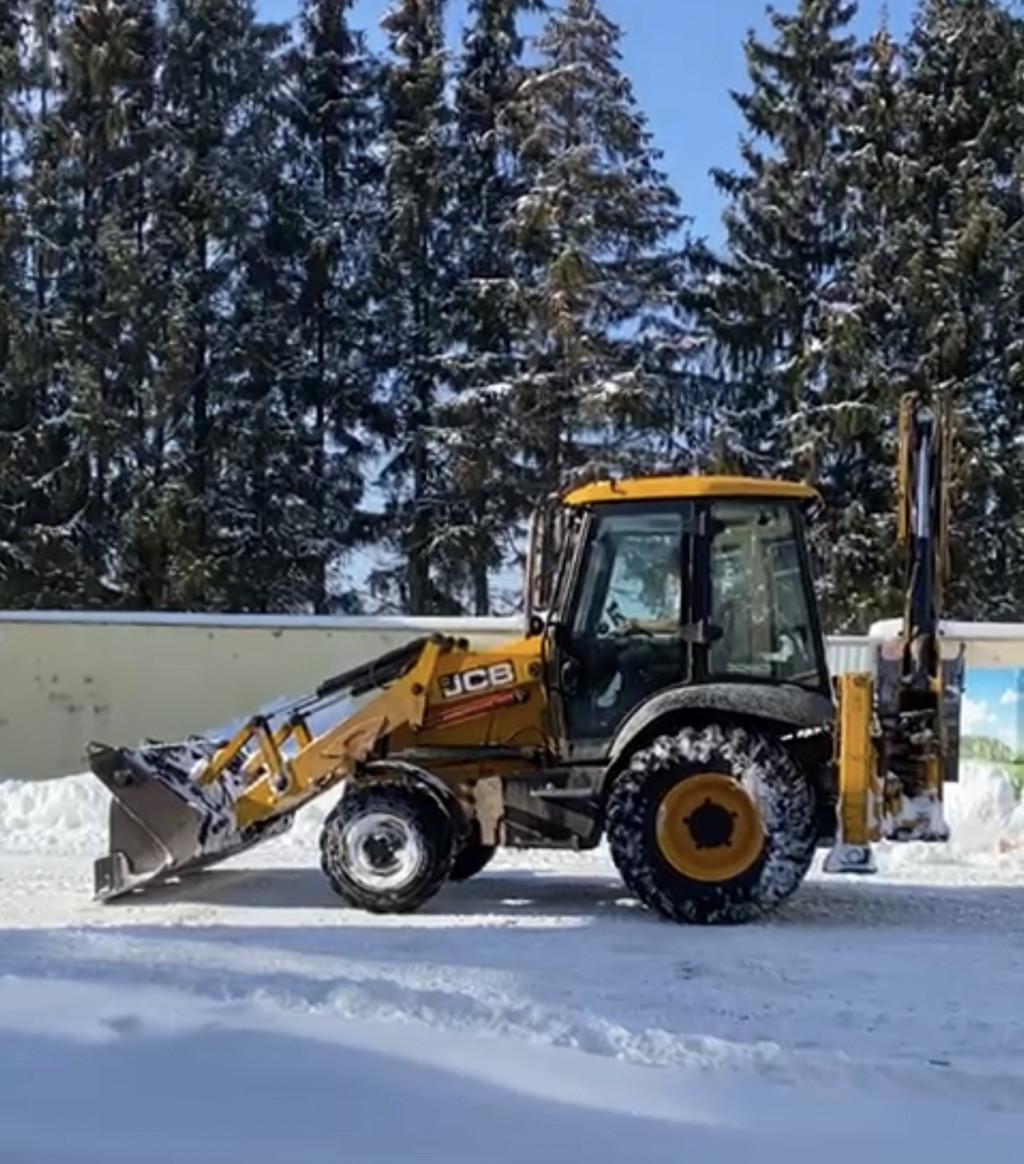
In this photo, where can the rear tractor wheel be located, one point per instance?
(712, 824)
(387, 847)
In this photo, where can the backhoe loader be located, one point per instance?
(670, 695)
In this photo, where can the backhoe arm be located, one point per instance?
(897, 731)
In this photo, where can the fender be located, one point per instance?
(413, 774)
(793, 708)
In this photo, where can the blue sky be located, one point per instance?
(683, 57)
(993, 704)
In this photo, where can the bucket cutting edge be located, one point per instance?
(161, 825)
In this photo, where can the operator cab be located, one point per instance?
(677, 580)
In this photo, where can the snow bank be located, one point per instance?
(986, 819)
(69, 816)
(984, 809)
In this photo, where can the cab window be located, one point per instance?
(760, 595)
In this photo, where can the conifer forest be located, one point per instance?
(292, 325)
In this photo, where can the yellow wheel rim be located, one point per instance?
(709, 828)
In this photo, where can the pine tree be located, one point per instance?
(414, 283)
(604, 264)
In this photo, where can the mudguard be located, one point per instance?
(794, 708)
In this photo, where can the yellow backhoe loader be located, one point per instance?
(670, 694)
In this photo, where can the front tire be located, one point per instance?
(712, 824)
(471, 859)
(387, 847)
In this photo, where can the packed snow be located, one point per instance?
(533, 1014)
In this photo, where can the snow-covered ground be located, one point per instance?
(533, 1014)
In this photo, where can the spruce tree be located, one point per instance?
(221, 71)
(41, 488)
(789, 407)
(785, 232)
(265, 522)
(328, 213)
(109, 66)
(939, 287)
(856, 414)
(414, 284)
(484, 478)
(14, 120)
(15, 398)
(603, 260)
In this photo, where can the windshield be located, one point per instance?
(632, 574)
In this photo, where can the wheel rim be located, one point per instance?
(709, 828)
(381, 851)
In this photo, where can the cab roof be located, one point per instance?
(670, 488)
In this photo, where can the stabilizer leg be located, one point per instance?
(860, 794)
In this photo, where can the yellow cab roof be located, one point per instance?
(688, 487)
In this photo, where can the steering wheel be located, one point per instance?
(628, 629)
(623, 626)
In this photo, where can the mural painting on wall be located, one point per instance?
(992, 718)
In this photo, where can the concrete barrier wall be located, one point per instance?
(68, 678)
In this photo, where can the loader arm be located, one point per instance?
(182, 807)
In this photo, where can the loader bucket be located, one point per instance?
(161, 825)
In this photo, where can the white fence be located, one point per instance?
(68, 678)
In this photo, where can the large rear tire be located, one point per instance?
(387, 847)
(712, 824)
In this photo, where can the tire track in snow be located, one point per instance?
(473, 1001)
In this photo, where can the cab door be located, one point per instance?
(624, 621)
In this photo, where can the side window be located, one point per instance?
(758, 595)
(632, 575)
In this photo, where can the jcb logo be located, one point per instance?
(477, 679)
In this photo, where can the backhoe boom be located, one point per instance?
(894, 790)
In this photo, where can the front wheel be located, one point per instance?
(387, 847)
(712, 824)
(472, 859)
